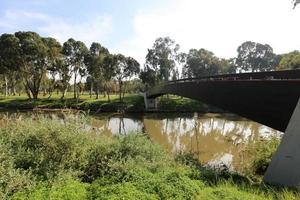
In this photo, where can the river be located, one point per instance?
(215, 139)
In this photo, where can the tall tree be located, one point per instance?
(75, 52)
(10, 58)
(162, 57)
(203, 63)
(64, 74)
(109, 71)
(256, 57)
(148, 77)
(126, 67)
(94, 62)
(34, 54)
(54, 55)
(290, 61)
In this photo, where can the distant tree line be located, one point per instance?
(164, 57)
(33, 64)
(30, 63)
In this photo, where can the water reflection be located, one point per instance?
(216, 139)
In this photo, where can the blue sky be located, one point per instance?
(131, 26)
(120, 12)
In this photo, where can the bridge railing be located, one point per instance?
(271, 75)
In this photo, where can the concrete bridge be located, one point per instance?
(270, 98)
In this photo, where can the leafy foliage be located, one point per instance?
(289, 61)
(256, 57)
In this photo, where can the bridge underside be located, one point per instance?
(269, 102)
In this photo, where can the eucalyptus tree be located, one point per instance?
(54, 55)
(289, 61)
(148, 77)
(109, 71)
(64, 76)
(75, 52)
(203, 63)
(10, 59)
(256, 57)
(35, 60)
(94, 61)
(126, 67)
(162, 57)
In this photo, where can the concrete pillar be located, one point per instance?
(284, 168)
(150, 103)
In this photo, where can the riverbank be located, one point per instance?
(43, 158)
(132, 103)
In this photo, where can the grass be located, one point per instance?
(50, 159)
(131, 103)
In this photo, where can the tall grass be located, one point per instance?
(53, 159)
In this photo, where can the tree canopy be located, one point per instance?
(162, 58)
(256, 57)
(289, 61)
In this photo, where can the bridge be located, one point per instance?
(270, 98)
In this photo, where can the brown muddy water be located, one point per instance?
(215, 139)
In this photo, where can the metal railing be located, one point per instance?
(271, 75)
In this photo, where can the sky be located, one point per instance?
(131, 26)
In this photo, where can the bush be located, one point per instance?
(41, 152)
(262, 152)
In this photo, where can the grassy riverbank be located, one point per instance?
(131, 103)
(47, 159)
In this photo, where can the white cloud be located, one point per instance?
(95, 28)
(218, 25)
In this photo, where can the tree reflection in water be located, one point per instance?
(215, 139)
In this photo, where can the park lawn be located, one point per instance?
(131, 103)
(83, 103)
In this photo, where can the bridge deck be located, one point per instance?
(266, 97)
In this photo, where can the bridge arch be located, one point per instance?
(270, 98)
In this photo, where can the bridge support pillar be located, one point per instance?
(150, 103)
(284, 168)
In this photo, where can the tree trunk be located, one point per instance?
(14, 90)
(6, 86)
(64, 91)
(124, 90)
(108, 97)
(97, 93)
(27, 90)
(75, 95)
(120, 90)
(91, 89)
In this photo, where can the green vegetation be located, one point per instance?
(130, 103)
(47, 159)
(32, 64)
(261, 152)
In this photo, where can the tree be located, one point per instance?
(290, 61)
(148, 77)
(94, 62)
(75, 52)
(162, 58)
(54, 55)
(256, 57)
(34, 54)
(109, 71)
(10, 59)
(203, 63)
(64, 74)
(126, 67)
